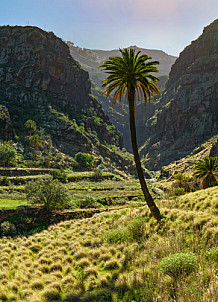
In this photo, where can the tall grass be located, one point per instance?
(117, 256)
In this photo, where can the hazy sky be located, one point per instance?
(169, 25)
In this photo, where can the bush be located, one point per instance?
(178, 265)
(136, 228)
(116, 235)
(7, 229)
(60, 175)
(49, 192)
(5, 181)
(85, 160)
(97, 174)
(8, 155)
(88, 202)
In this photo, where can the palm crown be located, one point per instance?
(130, 72)
(207, 167)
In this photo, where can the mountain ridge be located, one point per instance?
(188, 113)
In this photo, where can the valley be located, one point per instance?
(76, 221)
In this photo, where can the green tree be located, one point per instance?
(207, 169)
(35, 141)
(49, 192)
(8, 155)
(84, 159)
(31, 127)
(130, 75)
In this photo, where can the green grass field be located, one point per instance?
(6, 203)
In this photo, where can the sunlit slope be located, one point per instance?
(112, 254)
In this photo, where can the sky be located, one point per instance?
(169, 25)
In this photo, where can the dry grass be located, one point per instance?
(75, 256)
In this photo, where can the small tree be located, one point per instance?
(48, 192)
(84, 159)
(207, 169)
(31, 127)
(8, 155)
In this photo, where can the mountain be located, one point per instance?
(91, 59)
(188, 116)
(40, 81)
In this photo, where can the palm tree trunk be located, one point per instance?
(148, 198)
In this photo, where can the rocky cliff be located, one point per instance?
(189, 107)
(40, 81)
(91, 59)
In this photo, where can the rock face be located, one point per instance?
(6, 129)
(39, 80)
(189, 112)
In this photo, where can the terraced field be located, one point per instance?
(108, 189)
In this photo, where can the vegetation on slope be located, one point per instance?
(115, 256)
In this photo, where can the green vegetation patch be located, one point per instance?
(12, 204)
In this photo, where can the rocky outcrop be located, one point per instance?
(39, 80)
(189, 113)
(6, 129)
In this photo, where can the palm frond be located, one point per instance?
(130, 70)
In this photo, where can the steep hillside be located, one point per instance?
(6, 129)
(91, 59)
(188, 116)
(40, 81)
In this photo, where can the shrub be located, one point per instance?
(97, 174)
(51, 193)
(88, 202)
(7, 229)
(84, 159)
(178, 265)
(8, 155)
(116, 235)
(60, 175)
(136, 228)
(5, 181)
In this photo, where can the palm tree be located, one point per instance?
(130, 76)
(31, 127)
(207, 168)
